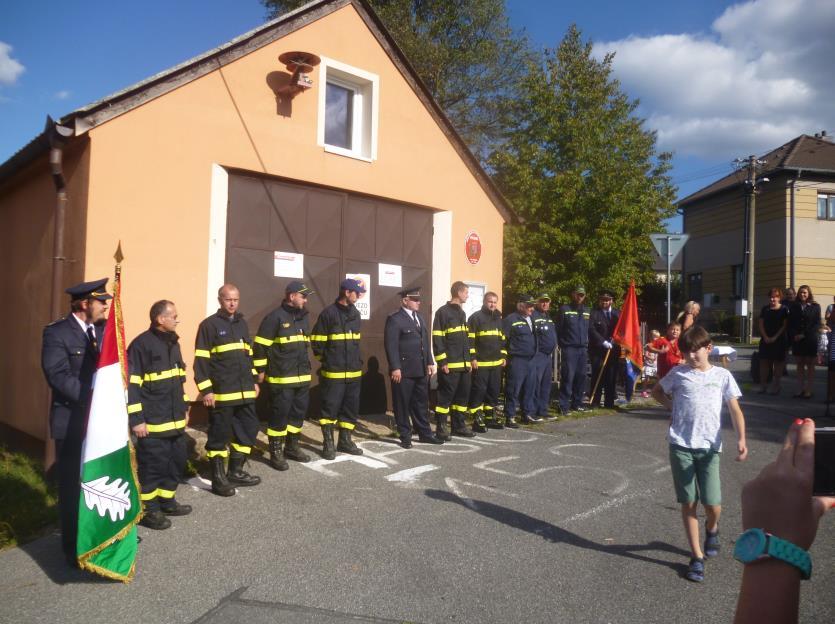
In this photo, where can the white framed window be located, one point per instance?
(826, 207)
(348, 110)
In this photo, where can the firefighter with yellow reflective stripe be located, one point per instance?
(521, 348)
(227, 380)
(158, 414)
(281, 359)
(453, 353)
(336, 344)
(488, 363)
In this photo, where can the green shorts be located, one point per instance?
(696, 475)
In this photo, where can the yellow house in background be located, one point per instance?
(216, 171)
(795, 229)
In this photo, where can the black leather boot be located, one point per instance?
(155, 520)
(328, 449)
(236, 473)
(220, 485)
(478, 423)
(173, 508)
(292, 450)
(459, 426)
(441, 432)
(346, 444)
(277, 460)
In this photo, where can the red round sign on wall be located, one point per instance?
(473, 247)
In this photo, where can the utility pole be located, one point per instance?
(751, 240)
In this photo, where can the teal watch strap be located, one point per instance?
(755, 544)
(788, 552)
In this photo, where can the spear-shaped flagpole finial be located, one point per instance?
(118, 256)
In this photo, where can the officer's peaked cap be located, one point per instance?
(412, 293)
(89, 290)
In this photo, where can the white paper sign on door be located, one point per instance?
(364, 300)
(390, 275)
(288, 264)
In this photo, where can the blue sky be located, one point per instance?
(712, 86)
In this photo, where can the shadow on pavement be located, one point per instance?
(555, 534)
(47, 553)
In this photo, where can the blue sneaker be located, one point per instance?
(696, 570)
(712, 545)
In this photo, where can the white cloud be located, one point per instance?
(10, 68)
(760, 78)
(62, 95)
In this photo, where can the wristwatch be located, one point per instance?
(755, 544)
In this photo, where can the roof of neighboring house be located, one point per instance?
(87, 117)
(803, 153)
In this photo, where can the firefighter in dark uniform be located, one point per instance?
(573, 333)
(453, 352)
(521, 349)
(543, 362)
(601, 327)
(410, 367)
(488, 363)
(69, 355)
(281, 359)
(227, 379)
(336, 344)
(158, 414)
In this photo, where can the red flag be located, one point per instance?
(627, 332)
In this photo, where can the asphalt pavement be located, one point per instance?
(572, 521)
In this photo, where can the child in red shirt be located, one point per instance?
(667, 350)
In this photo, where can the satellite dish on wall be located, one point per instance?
(298, 64)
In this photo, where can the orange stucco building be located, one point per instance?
(209, 172)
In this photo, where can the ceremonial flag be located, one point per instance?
(109, 507)
(627, 332)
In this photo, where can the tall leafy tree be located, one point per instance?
(583, 173)
(465, 52)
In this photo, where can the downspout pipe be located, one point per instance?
(57, 136)
(792, 228)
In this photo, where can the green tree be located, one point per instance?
(464, 51)
(583, 173)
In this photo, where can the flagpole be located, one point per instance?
(599, 375)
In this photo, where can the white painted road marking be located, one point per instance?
(410, 475)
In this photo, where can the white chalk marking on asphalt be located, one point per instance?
(381, 455)
(452, 484)
(410, 475)
(503, 440)
(447, 447)
(322, 465)
(660, 470)
(654, 461)
(485, 487)
(485, 465)
(611, 504)
(199, 483)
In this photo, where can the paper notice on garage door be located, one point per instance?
(364, 300)
(288, 264)
(391, 275)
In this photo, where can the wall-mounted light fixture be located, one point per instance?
(299, 64)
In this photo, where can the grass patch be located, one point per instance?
(28, 505)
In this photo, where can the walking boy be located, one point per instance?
(694, 392)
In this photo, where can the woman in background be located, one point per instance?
(804, 319)
(774, 320)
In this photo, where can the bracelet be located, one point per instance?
(755, 544)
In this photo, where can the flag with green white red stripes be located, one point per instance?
(109, 506)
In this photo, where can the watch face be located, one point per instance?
(750, 545)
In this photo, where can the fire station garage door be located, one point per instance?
(338, 233)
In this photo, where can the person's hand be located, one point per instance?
(664, 349)
(607, 344)
(260, 377)
(396, 376)
(779, 500)
(257, 390)
(503, 364)
(445, 369)
(209, 399)
(188, 417)
(141, 430)
(742, 450)
(430, 370)
(474, 364)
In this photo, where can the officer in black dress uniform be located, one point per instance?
(69, 355)
(602, 325)
(410, 366)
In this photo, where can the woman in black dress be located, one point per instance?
(804, 320)
(774, 319)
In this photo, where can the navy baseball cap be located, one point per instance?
(298, 287)
(352, 284)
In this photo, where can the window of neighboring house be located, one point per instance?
(826, 207)
(348, 110)
(694, 287)
(737, 274)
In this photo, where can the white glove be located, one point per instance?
(607, 344)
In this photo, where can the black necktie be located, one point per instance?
(91, 334)
(415, 319)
